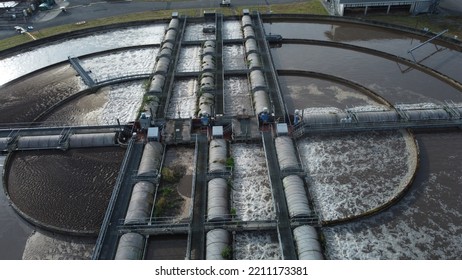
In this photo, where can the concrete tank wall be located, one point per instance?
(151, 159)
(130, 247)
(140, 206)
(216, 241)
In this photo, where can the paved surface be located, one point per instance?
(198, 219)
(285, 232)
(85, 10)
(111, 238)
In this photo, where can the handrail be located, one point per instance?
(112, 201)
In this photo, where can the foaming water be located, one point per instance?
(25, 100)
(28, 61)
(303, 92)
(353, 174)
(425, 224)
(256, 246)
(251, 193)
(232, 29)
(51, 246)
(183, 101)
(233, 57)
(117, 102)
(237, 97)
(190, 59)
(121, 63)
(194, 32)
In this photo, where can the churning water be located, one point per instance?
(425, 224)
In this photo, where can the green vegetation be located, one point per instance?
(168, 175)
(435, 23)
(230, 162)
(169, 201)
(227, 253)
(233, 212)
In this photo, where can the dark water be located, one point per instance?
(24, 100)
(303, 92)
(446, 60)
(67, 190)
(378, 74)
(425, 224)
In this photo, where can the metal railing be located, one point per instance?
(107, 217)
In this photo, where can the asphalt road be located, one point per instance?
(85, 10)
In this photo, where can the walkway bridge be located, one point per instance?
(403, 116)
(106, 244)
(268, 68)
(283, 226)
(75, 62)
(166, 225)
(95, 84)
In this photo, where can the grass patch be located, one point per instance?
(227, 253)
(310, 7)
(14, 41)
